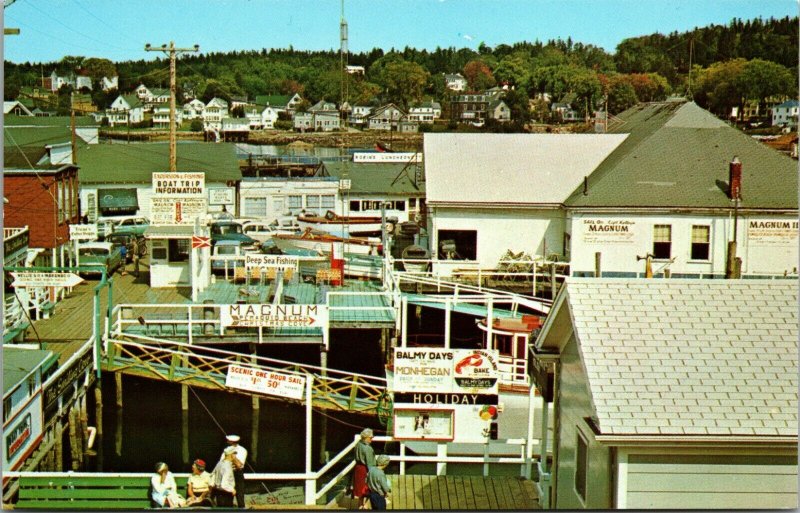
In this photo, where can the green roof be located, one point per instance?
(135, 163)
(677, 156)
(386, 179)
(18, 362)
(132, 100)
(50, 121)
(14, 136)
(275, 100)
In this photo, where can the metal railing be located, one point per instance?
(177, 361)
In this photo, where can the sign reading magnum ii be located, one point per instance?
(772, 232)
(608, 231)
(274, 316)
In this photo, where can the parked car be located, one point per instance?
(263, 231)
(229, 252)
(100, 255)
(229, 230)
(135, 225)
(126, 239)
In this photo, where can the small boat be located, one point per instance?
(322, 243)
(330, 222)
(414, 252)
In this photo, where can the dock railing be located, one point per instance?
(319, 484)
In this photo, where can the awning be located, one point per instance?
(117, 199)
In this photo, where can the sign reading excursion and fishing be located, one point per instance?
(274, 316)
(265, 382)
(178, 198)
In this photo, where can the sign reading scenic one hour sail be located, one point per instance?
(387, 157)
(281, 262)
(83, 231)
(265, 382)
(32, 279)
(274, 316)
(178, 198)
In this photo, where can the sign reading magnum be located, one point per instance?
(275, 316)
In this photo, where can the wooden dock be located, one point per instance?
(461, 493)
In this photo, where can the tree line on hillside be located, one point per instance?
(745, 60)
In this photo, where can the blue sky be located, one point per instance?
(118, 29)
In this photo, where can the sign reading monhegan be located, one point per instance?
(266, 382)
(445, 371)
(274, 316)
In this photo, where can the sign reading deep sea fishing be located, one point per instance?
(608, 231)
(772, 232)
(445, 394)
(265, 382)
(274, 316)
(178, 198)
(280, 262)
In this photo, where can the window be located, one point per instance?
(581, 462)
(412, 203)
(312, 201)
(355, 206)
(328, 201)
(701, 245)
(60, 200)
(662, 241)
(179, 250)
(255, 207)
(458, 244)
(295, 202)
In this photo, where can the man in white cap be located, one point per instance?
(239, 458)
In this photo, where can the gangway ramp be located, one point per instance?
(207, 367)
(459, 305)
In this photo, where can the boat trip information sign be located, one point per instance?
(772, 232)
(274, 316)
(280, 262)
(26, 279)
(178, 198)
(433, 385)
(608, 231)
(83, 232)
(266, 382)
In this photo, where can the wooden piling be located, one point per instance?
(254, 430)
(553, 280)
(83, 428)
(118, 389)
(59, 449)
(118, 435)
(597, 257)
(74, 441)
(98, 413)
(185, 424)
(384, 343)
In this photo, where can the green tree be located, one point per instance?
(760, 79)
(514, 69)
(403, 82)
(98, 68)
(519, 104)
(718, 88)
(621, 94)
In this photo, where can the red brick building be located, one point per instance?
(44, 198)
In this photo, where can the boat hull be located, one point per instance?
(323, 246)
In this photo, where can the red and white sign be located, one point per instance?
(265, 382)
(200, 242)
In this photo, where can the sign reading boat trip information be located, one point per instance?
(445, 394)
(274, 316)
(178, 198)
(265, 382)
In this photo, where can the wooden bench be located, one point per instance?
(78, 493)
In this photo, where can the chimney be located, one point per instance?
(735, 179)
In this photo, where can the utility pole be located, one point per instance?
(173, 129)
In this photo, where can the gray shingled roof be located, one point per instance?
(689, 357)
(677, 155)
(388, 179)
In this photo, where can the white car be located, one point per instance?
(262, 231)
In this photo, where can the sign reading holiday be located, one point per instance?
(280, 262)
(446, 371)
(265, 382)
(274, 316)
(83, 231)
(178, 198)
(32, 279)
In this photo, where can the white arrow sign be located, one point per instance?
(274, 316)
(34, 279)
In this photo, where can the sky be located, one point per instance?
(119, 29)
